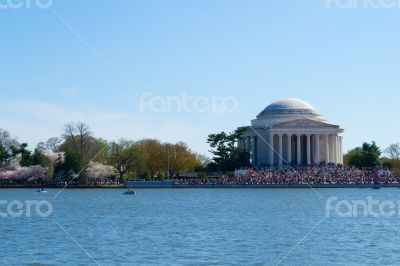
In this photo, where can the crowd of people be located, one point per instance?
(301, 175)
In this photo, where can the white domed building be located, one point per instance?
(291, 131)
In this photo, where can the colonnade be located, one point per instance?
(293, 148)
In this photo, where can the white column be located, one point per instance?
(341, 150)
(260, 148)
(280, 150)
(298, 149)
(248, 144)
(326, 148)
(317, 160)
(264, 149)
(253, 151)
(271, 150)
(289, 148)
(334, 145)
(308, 149)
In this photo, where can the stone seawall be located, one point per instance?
(171, 184)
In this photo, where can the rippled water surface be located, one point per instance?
(198, 227)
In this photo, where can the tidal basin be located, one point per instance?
(199, 227)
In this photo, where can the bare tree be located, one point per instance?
(79, 135)
(393, 151)
(52, 144)
(6, 140)
(7, 144)
(83, 133)
(41, 146)
(69, 133)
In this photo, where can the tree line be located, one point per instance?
(77, 154)
(370, 155)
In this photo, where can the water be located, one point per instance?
(198, 227)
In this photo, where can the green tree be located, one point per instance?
(368, 155)
(39, 158)
(179, 158)
(371, 154)
(26, 155)
(69, 167)
(126, 157)
(156, 156)
(227, 156)
(73, 165)
(354, 157)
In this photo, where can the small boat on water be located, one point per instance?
(377, 185)
(129, 192)
(41, 190)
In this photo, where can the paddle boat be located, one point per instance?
(129, 192)
(41, 190)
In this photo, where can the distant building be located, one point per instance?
(292, 131)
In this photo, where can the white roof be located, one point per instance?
(285, 110)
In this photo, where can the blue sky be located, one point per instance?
(345, 63)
